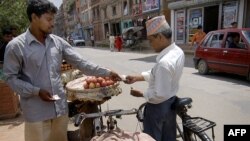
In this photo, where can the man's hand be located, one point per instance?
(132, 79)
(115, 76)
(136, 93)
(45, 96)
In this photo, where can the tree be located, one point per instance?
(13, 13)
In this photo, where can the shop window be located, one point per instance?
(114, 10)
(229, 13)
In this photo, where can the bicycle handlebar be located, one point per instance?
(82, 116)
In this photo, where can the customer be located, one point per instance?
(111, 42)
(32, 68)
(92, 40)
(163, 78)
(234, 25)
(198, 36)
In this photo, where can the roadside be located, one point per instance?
(143, 48)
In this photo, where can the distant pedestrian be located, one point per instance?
(92, 40)
(118, 43)
(111, 42)
(234, 25)
(198, 36)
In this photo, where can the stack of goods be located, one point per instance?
(65, 66)
(91, 88)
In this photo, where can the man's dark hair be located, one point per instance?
(234, 23)
(199, 27)
(166, 33)
(40, 7)
(6, 31)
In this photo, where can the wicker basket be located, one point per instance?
(8, 102)
(76, 91)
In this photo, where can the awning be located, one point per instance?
(185, 4)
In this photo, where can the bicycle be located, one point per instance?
(193, 128)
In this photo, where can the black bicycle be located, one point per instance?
(192, 128)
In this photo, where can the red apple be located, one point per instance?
(104, 83)
(100, 79)
(85, 85)
(97, 85)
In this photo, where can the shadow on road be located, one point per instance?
(149, 59)
(233, 78)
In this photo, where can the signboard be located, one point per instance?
(229, 14)
(180, 25)
(150, 5)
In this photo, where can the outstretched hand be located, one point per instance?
(115, 76)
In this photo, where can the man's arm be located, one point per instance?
(11, 69)
(85, 66)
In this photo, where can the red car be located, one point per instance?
(226, 50)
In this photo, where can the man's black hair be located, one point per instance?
(234, 23)
(40, 7)
(6, 31)
(199, 27)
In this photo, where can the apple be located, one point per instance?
(104, 83)
(91, 85)
(97, 85)
(99, 79)
(107, 78)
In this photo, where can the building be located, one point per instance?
(186, 15)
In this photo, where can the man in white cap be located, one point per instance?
(159, 119)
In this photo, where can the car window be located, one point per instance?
(215, 41)
(247, 35)
(234, 40)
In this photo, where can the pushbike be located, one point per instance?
(192, 128)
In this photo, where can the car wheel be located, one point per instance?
(202, 67)
(248, 77)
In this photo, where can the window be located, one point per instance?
(114, 10)
(215, 40)
(234, 40)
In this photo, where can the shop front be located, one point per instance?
(211, 15)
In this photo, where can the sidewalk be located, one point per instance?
(187, 48)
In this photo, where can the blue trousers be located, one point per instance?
(160, 121)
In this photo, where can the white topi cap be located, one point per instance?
(156, 25)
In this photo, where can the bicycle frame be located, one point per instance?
(98, 124)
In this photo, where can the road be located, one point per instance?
(219, 97)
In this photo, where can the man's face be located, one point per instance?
(7, 37)
(45, 22)
(155, 42)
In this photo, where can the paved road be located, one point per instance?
(219, 97)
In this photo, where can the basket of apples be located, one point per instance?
(92, 88)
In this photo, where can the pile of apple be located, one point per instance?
(92, 82)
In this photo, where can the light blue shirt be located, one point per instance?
(164, 77)
(30, 66)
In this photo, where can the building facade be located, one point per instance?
(186, 15)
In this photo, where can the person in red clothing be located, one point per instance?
(118, 43)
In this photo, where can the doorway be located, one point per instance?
(211, 16)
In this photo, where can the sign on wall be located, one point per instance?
(150, 5)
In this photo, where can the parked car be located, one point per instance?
(226, 50)
(79, 42)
